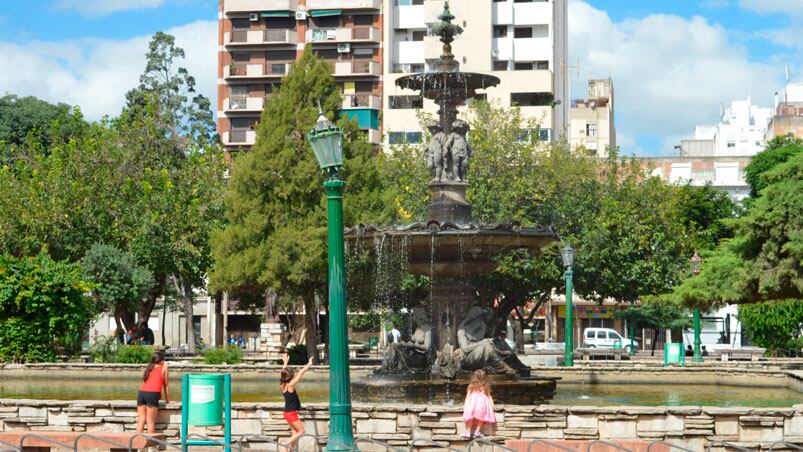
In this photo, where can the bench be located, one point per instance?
(44, 441)
(588, 352)
(353, 349)
(743, 353)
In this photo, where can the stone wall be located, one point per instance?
(691, 427)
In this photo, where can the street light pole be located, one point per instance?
(696, 262)
(340, 434)
(568, 349)
(327, 143)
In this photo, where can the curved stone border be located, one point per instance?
(689, 426)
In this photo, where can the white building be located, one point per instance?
(740, 133)
(524, 44)
(592, 119)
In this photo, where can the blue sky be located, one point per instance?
(673, 62)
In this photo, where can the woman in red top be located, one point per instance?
(155, 378)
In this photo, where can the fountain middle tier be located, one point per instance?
(450, 250)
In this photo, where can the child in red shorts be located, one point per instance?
(292, 404)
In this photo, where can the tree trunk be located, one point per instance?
(518, 333)
(146, 306)
(311, 321)
(164, 322)
(654, 341)
(187, 297)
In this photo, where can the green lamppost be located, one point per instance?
(696, 261)
(568, 349)
(326, 140)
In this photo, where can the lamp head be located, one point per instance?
(326, 140)
(696, 261)
(568, 256)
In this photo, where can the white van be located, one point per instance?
(605, 338)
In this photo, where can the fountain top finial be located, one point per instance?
(447, 30)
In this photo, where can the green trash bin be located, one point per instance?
(373, 342)
(205, 399)
(617, 343)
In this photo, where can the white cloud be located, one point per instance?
(95, 74)
(669, 72)
(791, 7)
(97, 8)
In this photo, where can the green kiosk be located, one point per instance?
(205, 401)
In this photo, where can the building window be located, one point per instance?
(364, 19)
(531, 99)
(409, 2)
(500, 31)
(523, 66)
(404, 137)
(591, 129)
(542, 65)
(405, 102)
(499, 65)
(731, 144)
(418, 67)
(419, 35)
(523, 32)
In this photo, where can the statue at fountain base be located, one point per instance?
(448, 202)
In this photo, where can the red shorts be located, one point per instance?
(290, 416)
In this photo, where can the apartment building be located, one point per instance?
(259, 39)
(592, 119)
(522, 42)
(787, 116)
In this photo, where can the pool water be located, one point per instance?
(316, 390)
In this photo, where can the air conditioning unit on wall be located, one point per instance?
(344, 47)
(253, 17)
(301, 15)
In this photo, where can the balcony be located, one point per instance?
(409, 16)
(361, 101)
(343, 4)
(259, 37)
(239, 138)
(433, 47)
(251, 71)
(409, 52)
(344, 68)
(356, 34)
(243, 104)
(532, 49)
(250, 6)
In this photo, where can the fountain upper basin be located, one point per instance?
(452, 250)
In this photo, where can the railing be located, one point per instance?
(477, 444)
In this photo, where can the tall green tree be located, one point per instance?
(778, 151)
(657, 313)
(120, 283)
(275, 236)
(43, 121)
(775, 325)
(44, 308)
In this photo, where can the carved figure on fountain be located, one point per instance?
(415, 355)
(481, 352)
(458, 150)
(436, 150)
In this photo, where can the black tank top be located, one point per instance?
(291, 401)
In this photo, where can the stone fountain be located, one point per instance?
(451, 334)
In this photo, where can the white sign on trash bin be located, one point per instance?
(202, 394)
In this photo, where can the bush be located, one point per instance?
(104, 350)
(133, 354)
(298, 354)
(44, 307)
(230, 354)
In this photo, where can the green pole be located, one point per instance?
(341, 437)
(632, 332)
(568, 348)
(698, 354)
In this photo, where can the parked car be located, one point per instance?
(605, 338)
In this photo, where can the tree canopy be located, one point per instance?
(275, 232)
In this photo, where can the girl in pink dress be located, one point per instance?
(479, 406)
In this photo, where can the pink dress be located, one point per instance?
(480, 407)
